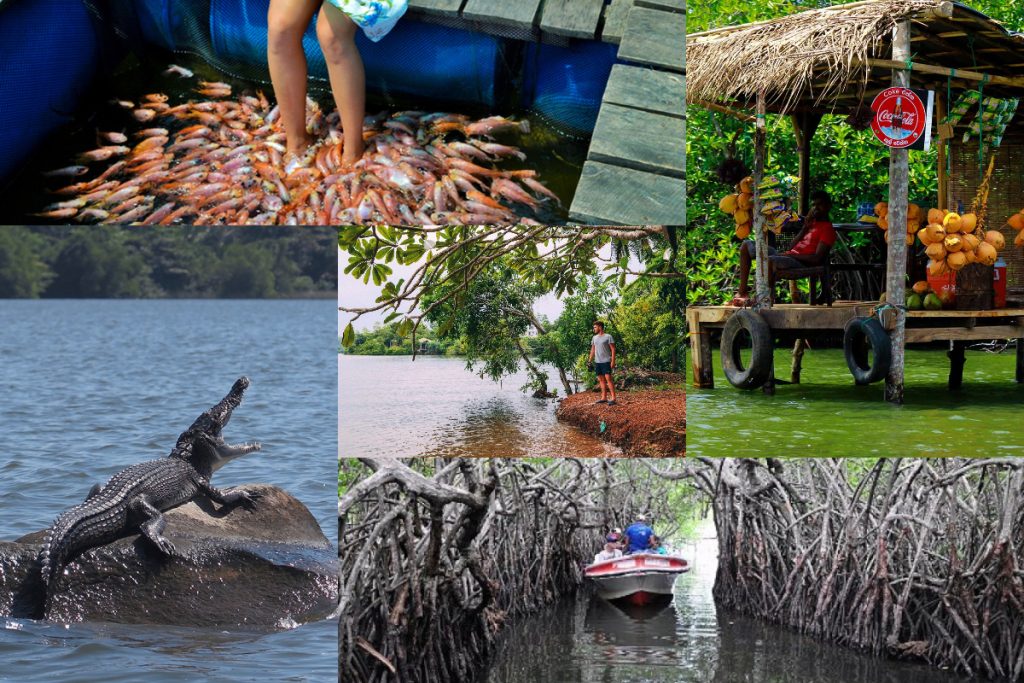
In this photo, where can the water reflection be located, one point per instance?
(687, 641)
(433, 406)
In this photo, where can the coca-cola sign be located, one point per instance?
(900, 117)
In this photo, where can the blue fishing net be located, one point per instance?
(51, 51)
(564, 84)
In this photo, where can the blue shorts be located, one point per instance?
(603, 368)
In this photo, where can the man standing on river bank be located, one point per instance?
(602, 355)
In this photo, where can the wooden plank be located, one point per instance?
(994, 313)
(923, 335)
(615, 16)
(656, 38)
(520, 14)
(640, 140)
(667, 5)
(644, 88)
(573, 18)
(445, 7)
(785, 317)
(612, 194)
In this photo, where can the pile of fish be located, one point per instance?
(220, 160)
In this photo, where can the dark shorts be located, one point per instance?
(780, 261)
(602, 369)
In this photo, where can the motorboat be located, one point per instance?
(638, 579)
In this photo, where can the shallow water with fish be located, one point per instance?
(556, 155)
(89, 387)
(433, 406)
(689, 640)
(827, 415)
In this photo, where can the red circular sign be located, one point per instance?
(899, 117)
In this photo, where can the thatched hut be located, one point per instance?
(836, 59)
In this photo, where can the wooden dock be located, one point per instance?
(636, 166)
(803, 321)
(635, 172)
(548, 20)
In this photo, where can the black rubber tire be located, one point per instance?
(762, 344)
(860, 335)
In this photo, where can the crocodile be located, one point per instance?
(135, 498)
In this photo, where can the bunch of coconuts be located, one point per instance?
(913, 220)
(953, 241)
(1016, 221)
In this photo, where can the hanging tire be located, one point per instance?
(759, 370)
(860, 336)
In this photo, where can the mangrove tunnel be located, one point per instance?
(906, 558)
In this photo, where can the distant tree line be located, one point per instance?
(167, 262)
(384, 340)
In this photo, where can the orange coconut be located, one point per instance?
(996, 239)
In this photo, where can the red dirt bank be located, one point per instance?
(644, 423)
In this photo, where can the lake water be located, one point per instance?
(688, 641)
(433, 406)
(827, 415)
(88, 387)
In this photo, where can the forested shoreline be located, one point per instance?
(59, 262)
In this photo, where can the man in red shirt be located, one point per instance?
(809, 248)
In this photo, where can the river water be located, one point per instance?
(88, 387)
(586, 639)
(827, 415)
(394, 406)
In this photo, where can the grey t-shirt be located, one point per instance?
(602, 344)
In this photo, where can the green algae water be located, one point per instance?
(828, 416)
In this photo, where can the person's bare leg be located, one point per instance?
(611, 388)
(286, 23)
(600, 383)
(337, 34)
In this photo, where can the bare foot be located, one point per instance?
(299, 149)
(350, 155)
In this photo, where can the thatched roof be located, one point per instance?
(820, 58)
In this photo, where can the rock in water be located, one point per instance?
(236, 568)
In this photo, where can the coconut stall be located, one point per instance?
(542, 91)
(948, 266)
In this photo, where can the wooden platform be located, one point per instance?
(803, 321)
(639, 142)
(636, 165)
(551, 20)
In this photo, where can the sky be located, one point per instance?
(353, 293)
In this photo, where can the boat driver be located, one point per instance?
(639, 535)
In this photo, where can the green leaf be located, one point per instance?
(348, 337)
(404, 328)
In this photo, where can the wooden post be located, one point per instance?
(761, 288)
(896, 267)
(940, 113)
(764, 287)
(805, 125)
(1020, 361)
(798, 360)
(700, 350)
(957, 359)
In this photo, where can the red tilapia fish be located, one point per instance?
(219, 160)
